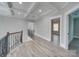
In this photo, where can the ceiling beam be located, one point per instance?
(45, 13)
(29, 10)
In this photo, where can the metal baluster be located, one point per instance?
(13, 37)
(3, 47)
(9, 43)
(19, 38)
(0, 47)
(14, 40)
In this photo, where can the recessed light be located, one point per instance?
(20, 2)
(40, 10)
(19, 13)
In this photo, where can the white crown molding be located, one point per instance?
(58, 16)
(72, 10)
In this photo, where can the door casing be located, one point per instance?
(55, 33)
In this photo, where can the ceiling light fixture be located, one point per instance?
(20, 2)
(40, 10)
(19, 13)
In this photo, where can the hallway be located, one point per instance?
(47, 20)
(40, 48)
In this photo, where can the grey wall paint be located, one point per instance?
(43, 28)
(12, 25)
(71, 28)
(76, 26)
(73, 25)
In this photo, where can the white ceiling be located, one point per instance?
(34, 10)
(59, 5)
(21, 10)
(22, 7)
(41, 9)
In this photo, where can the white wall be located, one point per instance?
(31, 25)
(76, 27)
(71, 29)
(4, 9)
(8, 24)
(43, 26)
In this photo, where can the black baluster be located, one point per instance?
(21, 36)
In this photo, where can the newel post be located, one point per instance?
(21, 36)
(7, 43)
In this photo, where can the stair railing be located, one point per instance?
(9, 42)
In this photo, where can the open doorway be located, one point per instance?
(31, 30)
(74, 31)
(55, 31)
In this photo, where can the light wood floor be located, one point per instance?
(40, 48)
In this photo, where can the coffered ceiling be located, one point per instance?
(34, 10)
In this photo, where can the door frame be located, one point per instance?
(66, 16)
(55, 17)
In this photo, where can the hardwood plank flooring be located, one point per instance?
(39, 47)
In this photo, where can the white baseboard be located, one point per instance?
(27, 39)
(42, 37)
(76, 36)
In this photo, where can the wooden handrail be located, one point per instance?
(14, 32)
(9, 42)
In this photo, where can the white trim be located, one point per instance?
(42, 36)
(76, 36)
(72, 10)
(67, 23)
(29, 10)
(58, 16)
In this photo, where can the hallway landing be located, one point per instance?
(40, 48)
